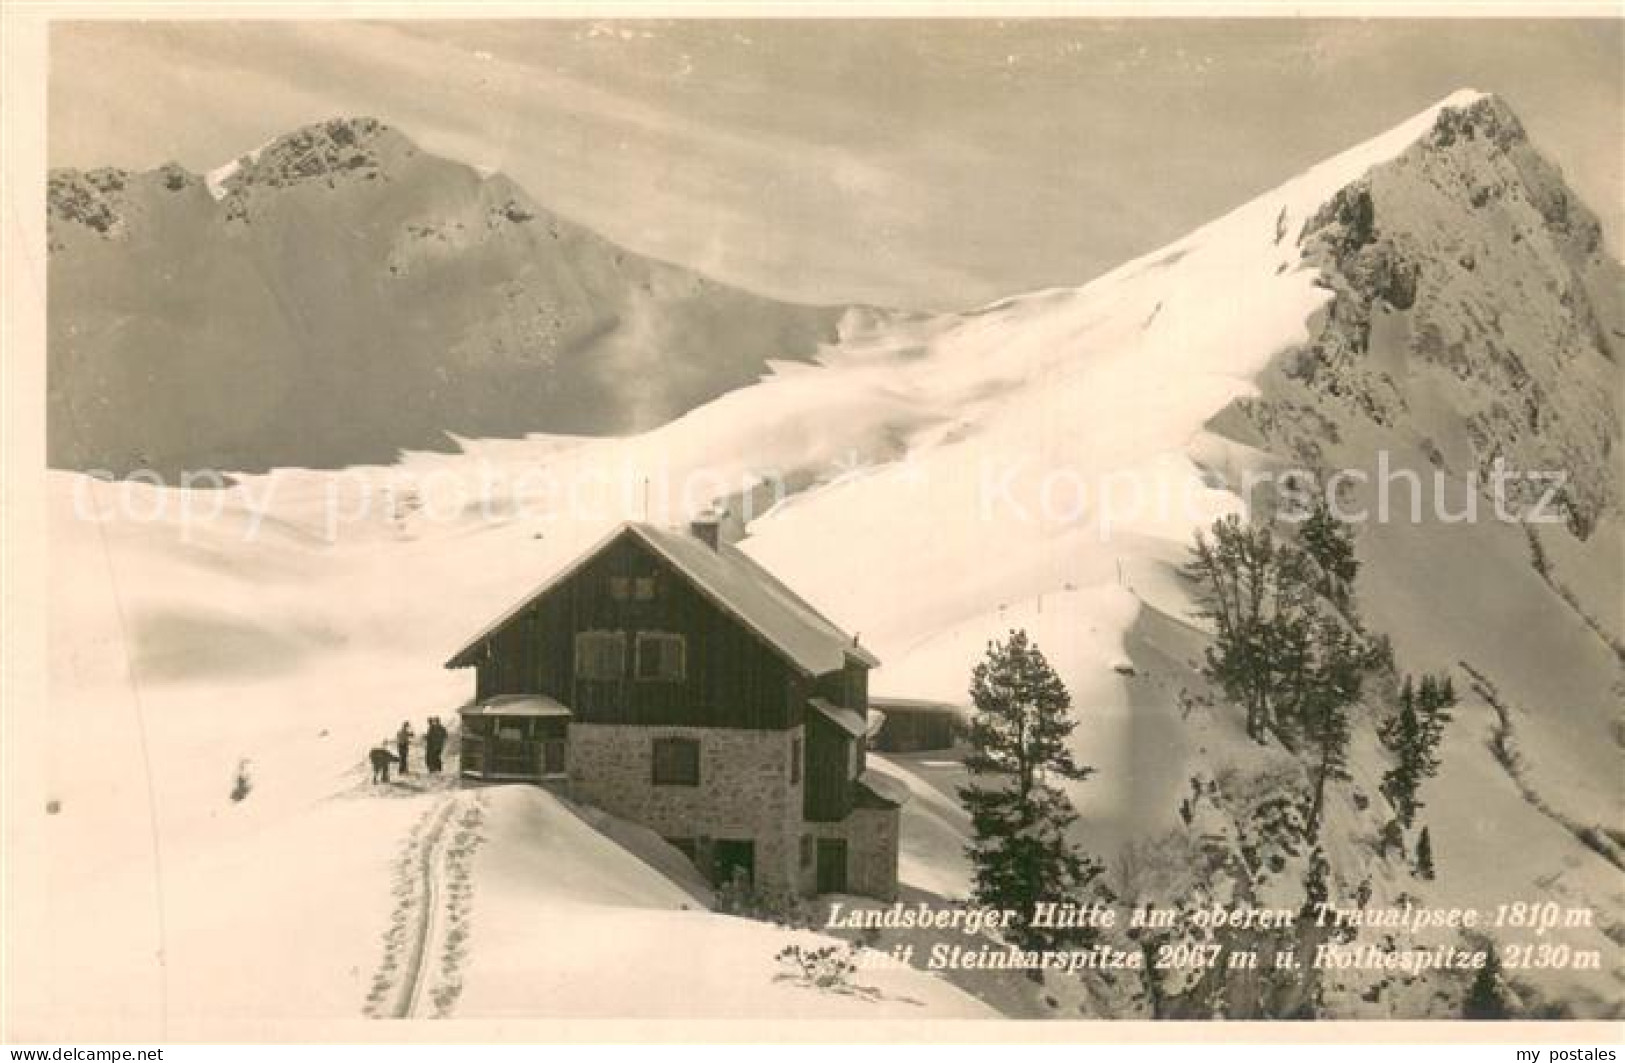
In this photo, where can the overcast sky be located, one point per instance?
(928, 164)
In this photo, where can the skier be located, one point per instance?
(381, 759)
(403, 743)
(434, 744)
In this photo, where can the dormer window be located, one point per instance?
(662, 657)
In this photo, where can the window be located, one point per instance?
(676, 762)
(795, 760)
(600, 655)
(632, 588)
(660, 656)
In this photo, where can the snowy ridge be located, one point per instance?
(218, 180)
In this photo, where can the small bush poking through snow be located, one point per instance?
(242, 785)
(829, 967)
(737, 896)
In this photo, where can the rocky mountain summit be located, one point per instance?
(339, 295)
(1476, 317)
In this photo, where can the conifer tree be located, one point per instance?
(1337, 675)
(1424, 855)
(1316, 888)
(1404, 736)
(1020, 852)
(1330, 543)
(1486, 997)
(1414, 736)
(1389, 731)
(1256, 591)
(1432, 701)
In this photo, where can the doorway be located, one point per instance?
(732, 859)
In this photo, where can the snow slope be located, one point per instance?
(617, 941)
(930, 482)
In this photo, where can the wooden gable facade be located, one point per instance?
(729, 676)
(561, 645)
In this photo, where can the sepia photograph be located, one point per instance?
(669, 523)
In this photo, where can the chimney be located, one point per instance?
(707, 527)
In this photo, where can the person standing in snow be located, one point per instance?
(434, 744)
(381, 759)
(403, 743)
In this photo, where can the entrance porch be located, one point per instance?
(515, 737)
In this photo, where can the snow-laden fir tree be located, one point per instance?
(1020, 850)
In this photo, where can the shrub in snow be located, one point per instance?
(737, 896)
(829, 967)
(242, 784)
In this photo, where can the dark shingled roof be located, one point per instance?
(737, 584)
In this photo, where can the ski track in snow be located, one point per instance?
(448, 942)
(419, 976)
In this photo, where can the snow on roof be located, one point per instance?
(848, 720)
(760, 599)
(918, 706)
(515, 705)
(893, 791)
(737, 585)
